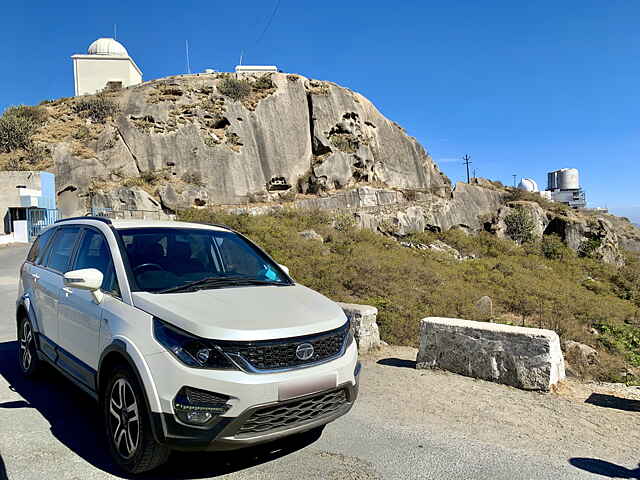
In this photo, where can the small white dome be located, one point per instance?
(528, 185)
(107, 46)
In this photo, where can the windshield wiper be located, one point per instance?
(218, 282)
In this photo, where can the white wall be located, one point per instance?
(92, 72)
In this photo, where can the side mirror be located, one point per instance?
(285, 268)
(86, 279)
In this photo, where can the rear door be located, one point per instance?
(31, 272)
(79, 315)
(49, 285)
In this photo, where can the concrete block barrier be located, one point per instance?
(366, 329)
(526, 358)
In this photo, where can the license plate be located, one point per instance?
(306, 386)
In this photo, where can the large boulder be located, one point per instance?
(593, 236)
(290, 132)
(471, 207)
(537, 214)
(526, 358)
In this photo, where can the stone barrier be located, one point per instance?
(526, 358)
(366, 329)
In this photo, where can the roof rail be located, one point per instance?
(88, 217)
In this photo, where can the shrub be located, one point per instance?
(520, 225)
(235, 89)
(37, 116)
(98, 107)
(345, 142)
(15, 133)
(263, 83)
(589, 247)
(554, 248)
(195, 178)
(18, 124)
(624, 339)
(153, 177)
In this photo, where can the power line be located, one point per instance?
(266, 27)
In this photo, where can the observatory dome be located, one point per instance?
(107, 46)
(528, 185)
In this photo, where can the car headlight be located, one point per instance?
(189, 349)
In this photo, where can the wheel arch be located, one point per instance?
(121, 353)
(21, 312)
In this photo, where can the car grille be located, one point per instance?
(281, 354)
(294, 413)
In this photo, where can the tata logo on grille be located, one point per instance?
(304, 351)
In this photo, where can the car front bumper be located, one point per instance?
(251, 395)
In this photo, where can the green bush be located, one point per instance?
(263, 83)
(520, 225)
(96, 107)
(235, 89)
(621, 338)
(554, 248)
(589, 247)
(18, 124)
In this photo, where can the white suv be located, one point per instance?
(190, 336)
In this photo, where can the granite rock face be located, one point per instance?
(526, 358)
(294, 134)
(366, 329)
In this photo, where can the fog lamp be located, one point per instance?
(199, 407)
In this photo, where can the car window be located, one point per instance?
(94, 252)
(163, 258)
(61, 249)
(39, 246)
(238, 256)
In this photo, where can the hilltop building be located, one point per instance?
(564, 187)
(106, 64)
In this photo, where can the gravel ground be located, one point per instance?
(407, 424)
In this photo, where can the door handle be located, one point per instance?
(35, 276)
(67, 290)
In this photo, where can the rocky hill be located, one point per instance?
(255, 142)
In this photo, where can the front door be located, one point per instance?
(79, 315)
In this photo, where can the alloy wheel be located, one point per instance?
(124, 418)
(26, 346)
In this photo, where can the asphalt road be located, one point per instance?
(50, 430)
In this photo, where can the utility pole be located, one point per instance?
(475, 176)
(514, 180)
(467, 161)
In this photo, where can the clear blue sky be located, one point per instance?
(523, 87)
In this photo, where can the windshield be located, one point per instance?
(169, 258)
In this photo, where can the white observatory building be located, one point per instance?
(106, 64)
(564, 187)
(528, 185)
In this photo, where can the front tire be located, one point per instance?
(27, 353)
(126, 419)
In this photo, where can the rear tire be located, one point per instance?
(126, 420)
(28, 359)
